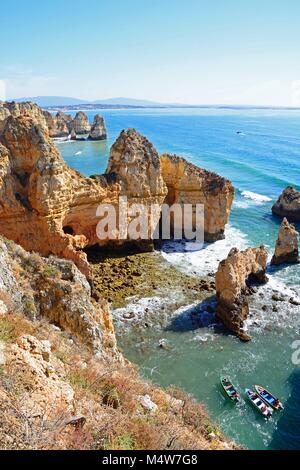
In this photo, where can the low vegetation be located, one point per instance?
(106, 394)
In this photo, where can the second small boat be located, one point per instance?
(268, 398)
(259, 404)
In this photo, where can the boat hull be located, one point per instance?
(229, 390)
(259, 404)
(268, 398)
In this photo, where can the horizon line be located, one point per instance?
(153, 102)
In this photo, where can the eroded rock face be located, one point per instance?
(50, 208)
(288, 205)
(188, 184)
(81, 124)
(48, 391)
(56, 290)
(137, 165)
(232, 286)
(98, 130)
(287, 246)
(59, 125)
(21, 109)
(45, 205)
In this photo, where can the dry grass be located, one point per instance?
(106, 394)
(13, 327)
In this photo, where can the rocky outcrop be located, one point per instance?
(81, 124)
(59, 126)
(233, 279)
(287, 246)
(48, 391)
(288, 205)
(52, 209)
(98, 130)
(46, 206)
(136, 163)
(188, 184)
(56, 290)
(21, 109)
(73, 135)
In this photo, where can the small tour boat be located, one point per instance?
(269, 398)
(259, 404)
(229, 389)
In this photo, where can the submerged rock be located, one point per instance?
(98, 130)
(288, 205)
(232, 278)
(287, 246)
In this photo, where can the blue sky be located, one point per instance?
(189, 51)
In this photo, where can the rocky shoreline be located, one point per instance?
(119, 277)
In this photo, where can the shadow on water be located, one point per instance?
(196, 317)
(287, 432)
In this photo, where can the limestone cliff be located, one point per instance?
(188, 184)
(48, 207)
(98, 129)
(21, 109)
(232, 285)
(52, 209)
(56, 290)
(45, 206)
(59, 125)
(135, 162)
(288, 205)
(287, 245)
(81, 124)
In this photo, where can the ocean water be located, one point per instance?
(259, 151)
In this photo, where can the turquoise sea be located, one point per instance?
(260, 160)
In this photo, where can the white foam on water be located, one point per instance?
(193, 258)
(78, 153)
(257, 198)
(241, 204)
(285, 316)
(145, 309)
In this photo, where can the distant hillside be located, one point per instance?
(48, 101)
(45, 101)
(128, 102)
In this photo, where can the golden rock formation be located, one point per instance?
(232, 286)
(287, 245)
(188, 184)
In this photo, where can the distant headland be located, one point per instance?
(56, 103)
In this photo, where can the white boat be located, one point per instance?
(259, 404)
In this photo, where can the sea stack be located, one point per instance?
(81, 123)
(98, 130)
(287, 246)
(288, 205)
(233, 285)
(73, 135)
